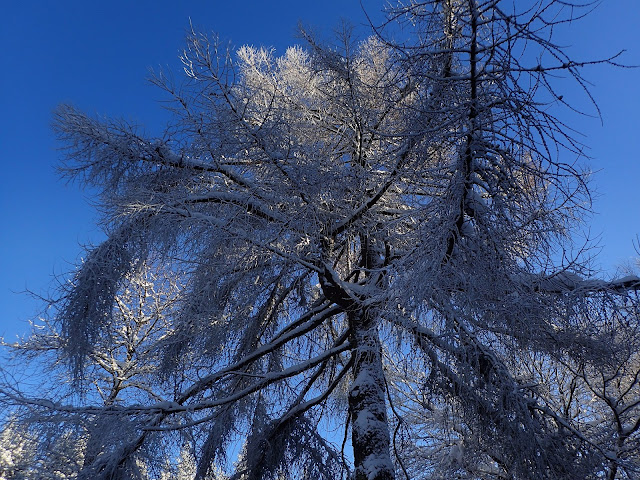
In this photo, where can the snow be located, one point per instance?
(561, 281)
(367, 422)
(364, 378)
(456, 454)
(627, 279)
(374, 464)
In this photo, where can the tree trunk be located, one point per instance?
(367, 406)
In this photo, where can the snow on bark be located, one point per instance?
(370, 432)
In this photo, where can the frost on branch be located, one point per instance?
(87, 306)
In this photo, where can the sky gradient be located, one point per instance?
(97, 56)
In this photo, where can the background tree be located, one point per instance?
(370, 234)
(120, 369)
(16, 451)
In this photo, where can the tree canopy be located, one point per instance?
(368, 240)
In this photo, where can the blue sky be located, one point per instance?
(97, 56)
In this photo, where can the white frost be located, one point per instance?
(376, 464)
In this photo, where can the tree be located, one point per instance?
(603, 400)
(37, 453)
(17, 451)
(371, 235)
(119, 370)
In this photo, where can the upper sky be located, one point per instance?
(97, 56)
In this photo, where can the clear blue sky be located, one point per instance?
(96, 55)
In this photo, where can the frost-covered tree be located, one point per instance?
(36, 453)
(17, 451)
(120, 369)
(590, 403)
(603, 401)
(371, 236)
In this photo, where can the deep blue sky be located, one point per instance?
(97, 55)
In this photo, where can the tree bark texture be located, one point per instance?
(367, 406)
